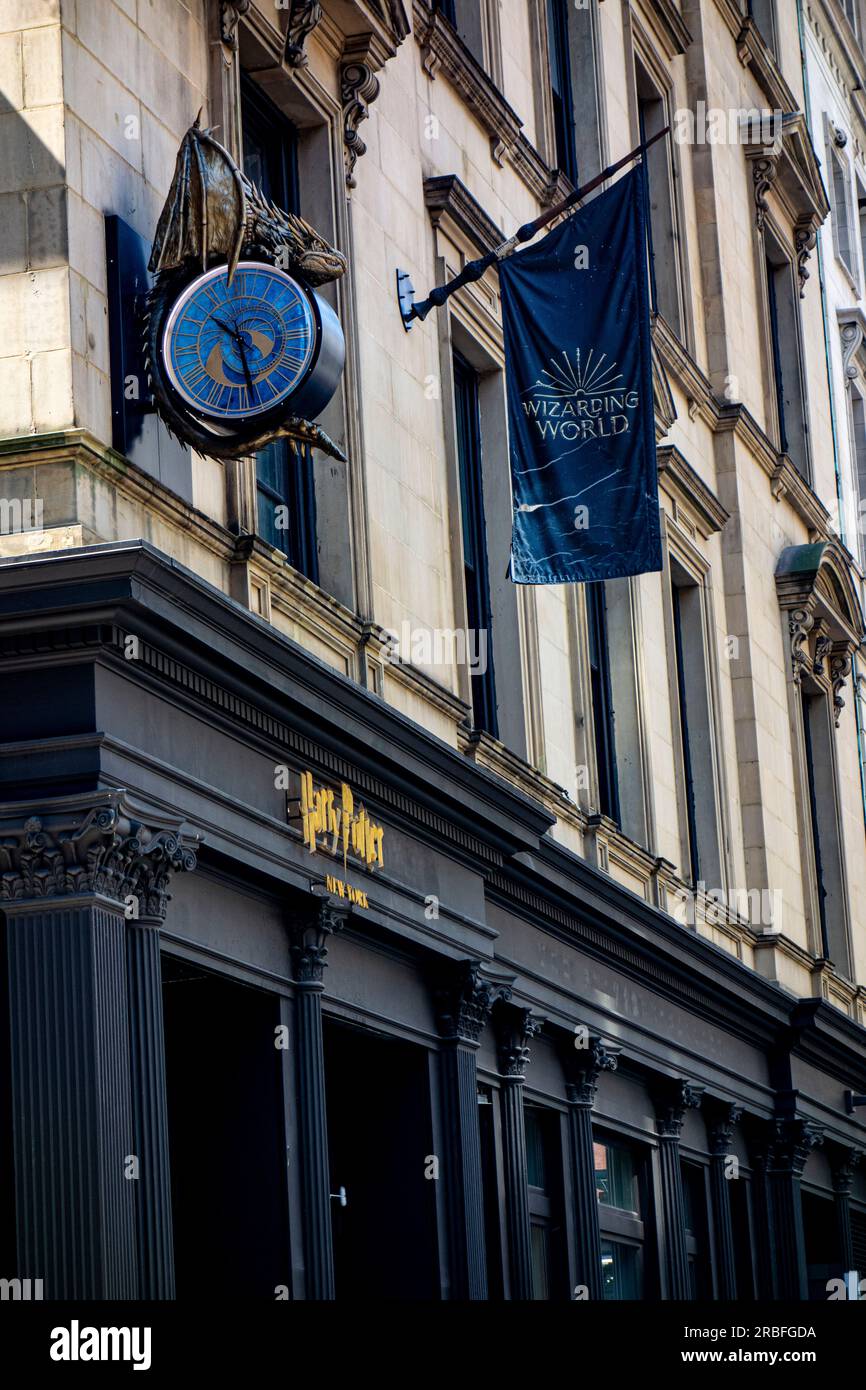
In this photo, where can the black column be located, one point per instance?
(71, 1111)
(673, 1099)
(845, 1163)
(309, 947)
(464, 997)
(82, 884)
(515, 1028)
(793, 1140)
(583, 1067)
(758, 1134)
(722, 1116)
(161, 854)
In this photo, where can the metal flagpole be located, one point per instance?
(411, 309)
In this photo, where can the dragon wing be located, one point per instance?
(205, 211)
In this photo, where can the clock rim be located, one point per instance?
(234, 424)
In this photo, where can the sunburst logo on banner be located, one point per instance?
(567, 378)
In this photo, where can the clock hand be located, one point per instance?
(246, 366)
(240, 342)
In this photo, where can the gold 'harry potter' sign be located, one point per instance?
(332, 824)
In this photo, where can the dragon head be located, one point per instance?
(313, 258)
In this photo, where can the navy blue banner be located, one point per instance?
(580, 400)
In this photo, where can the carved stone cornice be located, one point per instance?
(447, 198)
(682, 481)
(672, 1099)
(722, 1118)
(231, 12)
(304, 15)
(310, 930)
(99, 846)
(791, 1143)
(442, 50)
(465, 997)
(515, 1029)
(583, 1067)
(816, 588)
(782, 158)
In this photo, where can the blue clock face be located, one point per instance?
(239, 350)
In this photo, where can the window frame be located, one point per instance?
(842, 207)
(704, 839)
(628, 1229)
(473, 534)
(648, 72)
(778, 269)
(260, 118)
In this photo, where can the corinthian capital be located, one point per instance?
(100, 844)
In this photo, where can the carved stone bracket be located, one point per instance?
(800, 623)
(583, 1067)
(102, 848)
(805, 238)
(359, 87)
(673, 1099)
(763, 174)
(309, 933)
(231, 12)
(840, 670)
(515, 1031)
(464, 999)
(304, 15)
(852, 329)
(822, 644)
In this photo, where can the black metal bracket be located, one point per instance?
(852, 1101)
(406, 298)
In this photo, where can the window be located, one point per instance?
(861, 226)
(852, 11)
(744, 1240)
(694, 711)
(490, 1188)
(663, 247)
(858, 440)
(467, 18)
(843, 222)
(824, 821)
(602, 704)
(786, 364)
(285, 479)
(546, 1202)
(763, 12)
(697, 1231)
(475, 570)
(618, 1182)
(560, 87)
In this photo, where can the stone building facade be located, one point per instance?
(589, 1027)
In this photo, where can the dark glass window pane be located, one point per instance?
(616, 1177)
(560, 87)
(534, 1151)
(540, 1263)
(602, 700)
(475, 572)
(620, 1270)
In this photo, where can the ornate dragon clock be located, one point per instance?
(240, 349)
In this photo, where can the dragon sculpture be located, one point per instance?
(214, 214)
